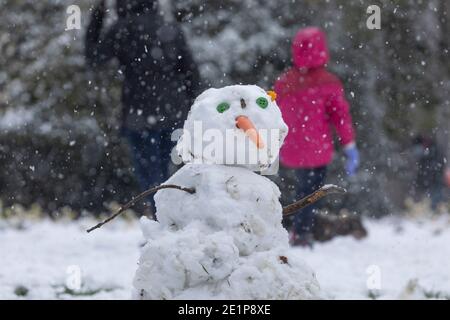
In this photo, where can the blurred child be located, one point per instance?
(312, 101)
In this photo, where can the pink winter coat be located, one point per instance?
(312, 101)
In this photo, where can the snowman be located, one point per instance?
(223, 239)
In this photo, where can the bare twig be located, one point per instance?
(313, 197)
(139, 197)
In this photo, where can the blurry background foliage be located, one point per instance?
(59, 139)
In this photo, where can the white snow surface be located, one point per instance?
(225, 241)
(38, 255)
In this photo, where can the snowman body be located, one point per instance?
(226, 240)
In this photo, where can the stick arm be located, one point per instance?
(313, 197)
(139, 197)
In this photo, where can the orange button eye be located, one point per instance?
(272, 94)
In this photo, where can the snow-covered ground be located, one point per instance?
(406, 258)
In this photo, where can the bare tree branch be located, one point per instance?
(313, 197)
(139, 197)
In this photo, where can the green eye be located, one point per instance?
(262, 102)
(222, 107)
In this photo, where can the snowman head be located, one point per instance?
(235, 125)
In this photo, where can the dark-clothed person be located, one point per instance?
(160, 80)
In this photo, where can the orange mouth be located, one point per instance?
(244, 123)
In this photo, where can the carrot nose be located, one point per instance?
(244, 123)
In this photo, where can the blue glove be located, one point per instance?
(352, 163)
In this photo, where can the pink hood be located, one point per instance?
(309, 48)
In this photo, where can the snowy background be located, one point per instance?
(61, 156)
(59, 121)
